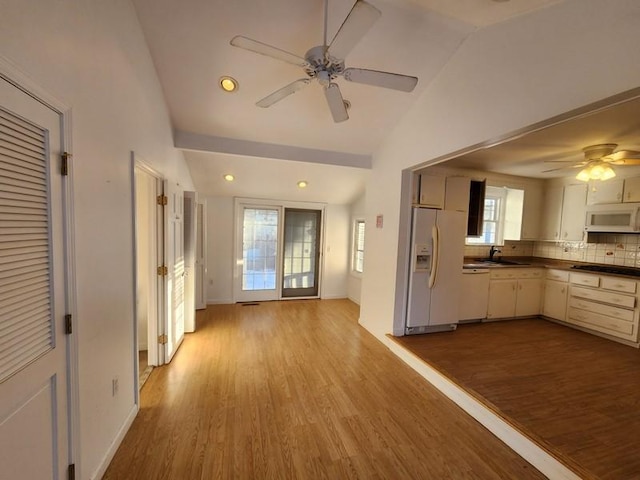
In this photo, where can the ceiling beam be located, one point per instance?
(209, 143)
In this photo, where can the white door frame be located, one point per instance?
(14, 75)
(239, 204)
(201, 256)
(154, 329)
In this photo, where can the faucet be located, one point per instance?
(493, 250)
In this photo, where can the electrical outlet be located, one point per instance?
(115, 386)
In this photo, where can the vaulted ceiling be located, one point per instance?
(268, 148)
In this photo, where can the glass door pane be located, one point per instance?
(259, 249)
(301, 253)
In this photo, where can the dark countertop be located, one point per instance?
(540, 262)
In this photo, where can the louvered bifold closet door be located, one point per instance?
(26, 329)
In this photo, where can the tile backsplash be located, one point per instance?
(603, 248)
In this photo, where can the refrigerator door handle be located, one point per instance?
(435, 235)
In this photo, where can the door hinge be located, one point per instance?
(162, 339)
(68, 324)
(72, 471)
(162, 200)
(163, 270)
(64, 167)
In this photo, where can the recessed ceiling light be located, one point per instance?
(302, 184)
(228, 84)
(228, 177)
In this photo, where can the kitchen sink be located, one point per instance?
(498, 261)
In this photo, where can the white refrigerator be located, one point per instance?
(435, 275)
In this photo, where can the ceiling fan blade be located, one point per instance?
(395, 81)
(336, 103)
(621, 157)
(283, 92)
(360, 19)
(625, 161)
(267, 50)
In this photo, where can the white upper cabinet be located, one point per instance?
(552, 213)
(432, 190)
(632, 190)
(609, 191)
(457, 194)
(564, 213)
(573, 212)
(532, 213)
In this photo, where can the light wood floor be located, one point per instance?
(298, 390)
(575, 394)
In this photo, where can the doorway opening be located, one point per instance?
(278, 250)
(148, 255)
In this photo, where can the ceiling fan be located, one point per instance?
(598, 160)
(326, 62)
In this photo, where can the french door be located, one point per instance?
(301, 252)
(277, 252)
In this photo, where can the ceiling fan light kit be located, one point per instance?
(598, 160)
(597, 170)
(325, 63)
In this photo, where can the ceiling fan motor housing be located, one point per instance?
(596, 152)
(321, 67)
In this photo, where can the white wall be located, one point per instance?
(220, 228)
(92, 56)
(336, 251)
(502, 79)
(354, 281)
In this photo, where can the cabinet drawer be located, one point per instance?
(559, 275)
(618, 284)
(601, 323)
(503, 273)
(609, 310)
(529, 273)
(603, 296)
(508, 272)
(582, 279)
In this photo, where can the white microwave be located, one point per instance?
(617, 217)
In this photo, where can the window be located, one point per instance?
(502, 216)
(358, 246)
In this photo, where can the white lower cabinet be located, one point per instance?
(607, 305)
(556, 291)
(514, 292)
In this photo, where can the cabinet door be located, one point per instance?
(532, 213)
(600, 192)
(432, 191)
(552, 213)
(457, 194)
(529, 297)
(555, 300)
(573, 212)
(632, 190)
(502, 299)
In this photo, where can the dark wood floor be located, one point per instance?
(576, 394)
(298, 390)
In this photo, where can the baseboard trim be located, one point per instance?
(113, 448)
(519, 443)
(333, 297)
(221, 301)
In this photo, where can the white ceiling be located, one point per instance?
(189, 44)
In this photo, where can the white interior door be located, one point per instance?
(174, 261)
(34, 427)
(190, 200)
(201, 259)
